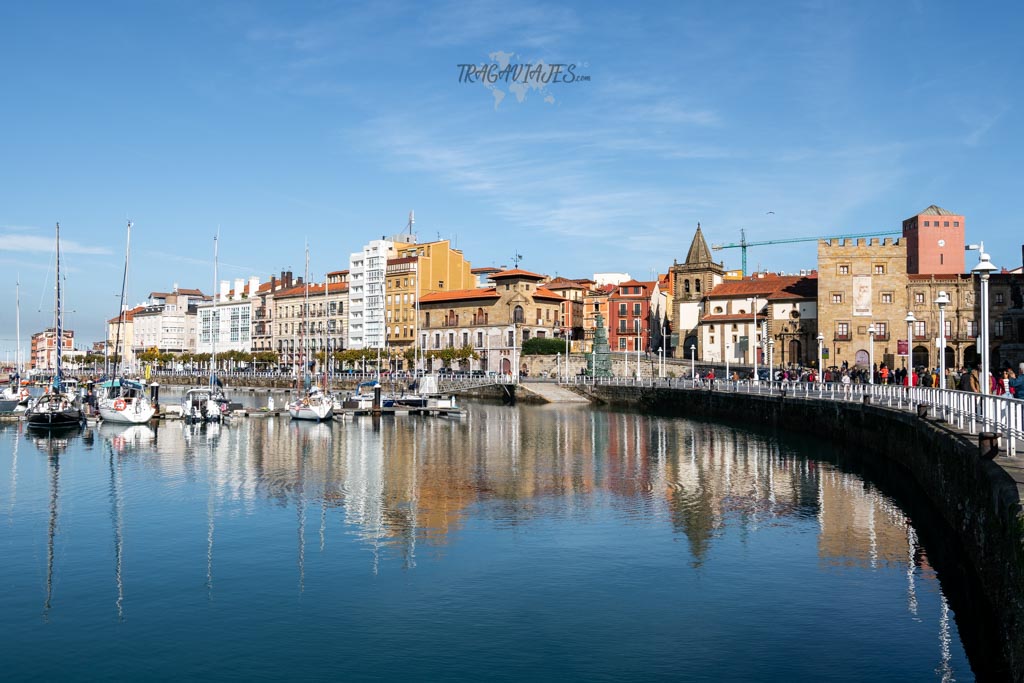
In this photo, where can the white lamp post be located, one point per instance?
(728, 352)
(771, 359)
(983, 269)
(753, 335)
(637, 322)
(942, 300)
(910, 342)
(821, 346)
(693, 362)
(871, 353)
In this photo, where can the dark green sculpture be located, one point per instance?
(599, 363)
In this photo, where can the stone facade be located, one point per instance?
(689, 282)
(861, 282)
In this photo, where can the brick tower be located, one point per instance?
(935, 242)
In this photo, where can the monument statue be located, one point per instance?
(599, 362)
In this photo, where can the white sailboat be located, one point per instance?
(208, 404)
(315, 404)
(120, 400)
(14, 397)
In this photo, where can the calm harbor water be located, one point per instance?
(516, 543)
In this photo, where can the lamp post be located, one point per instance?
(910, 340)
(637, 324)
(821, 347)
(693, 362)
(871, 353)
(771, 359)
(728, 352)
(983, 269)
(753, 334)
(942, 300)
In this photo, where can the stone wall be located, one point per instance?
(977, 498)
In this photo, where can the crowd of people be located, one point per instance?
(1003, 381)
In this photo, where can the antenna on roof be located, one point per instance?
(412, 220)
(516, 258)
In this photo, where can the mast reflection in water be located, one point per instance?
(514, 543)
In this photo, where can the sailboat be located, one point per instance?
(14, 397)
(121, 400)
(315, 404)
(208, 404)
(58, 408)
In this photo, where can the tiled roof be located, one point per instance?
(564, 283)
(517, 272)
(728, 317)
(128, 315)
(699, 252)
(339, 272)
(314, 289)
(934, 210)
(542, 293)
(786, 286)
(460, 295)
(485, 269)
(404, 259)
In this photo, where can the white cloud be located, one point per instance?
(13, 241)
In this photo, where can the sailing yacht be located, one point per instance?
(121, 400)
(14, 397)
(208, 404)
(315, 404)
(58, 408)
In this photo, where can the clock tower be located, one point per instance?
(935, 242)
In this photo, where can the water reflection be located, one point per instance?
(405, 493)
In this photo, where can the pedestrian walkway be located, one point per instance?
(553, 393)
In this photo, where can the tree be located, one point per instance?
(543, 346)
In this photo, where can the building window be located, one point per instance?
(511, 338)
(479, 338)
(842, 331)
(956, 224)
(622, 325)
(926, 224)
(622, 309)
(622, 343)
(997, 328)
(879, 269)
(972, 329)
(636, 309)
(918, 297)
(886, 297)
(844, 269)
(945, 224)
(920, 329)
(696, 285)
(881, 330)
(999, 297)
(837, 298)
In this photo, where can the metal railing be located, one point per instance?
(965, 410)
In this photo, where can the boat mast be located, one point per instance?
(327, 340)
(214, 320)
(17, 326)
(305, 323)
(120, 315)
(59, 324)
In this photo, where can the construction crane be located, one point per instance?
(743, 243)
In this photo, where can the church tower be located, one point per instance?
(691, 281)
(935, 242)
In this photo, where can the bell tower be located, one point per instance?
(935, 242)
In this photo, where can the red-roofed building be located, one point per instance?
(300, 335)
(493, 321)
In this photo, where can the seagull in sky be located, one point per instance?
(771, 212)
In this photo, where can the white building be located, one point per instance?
(367, 272)
(167, 322)
(226, 321)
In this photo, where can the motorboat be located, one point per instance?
(204, 404)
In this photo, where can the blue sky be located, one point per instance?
(328, 122)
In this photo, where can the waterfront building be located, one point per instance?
(689, 282)
(574, 292)
(43, 349)
(786, 312)
(367, 282)
(629, 306)
(167, 322)
(225, 321)
(863, 282)
(299, 335)
(417, 270)
(494, 321)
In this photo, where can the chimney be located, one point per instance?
(239, 284)
(254, 284)
(273, 283)
(225, 287)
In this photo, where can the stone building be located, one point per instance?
(310, 319)
(688, 283)
(493, 321)
(861, 282)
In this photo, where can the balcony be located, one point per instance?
(842, 337)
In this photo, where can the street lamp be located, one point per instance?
(942, 300)
(910, 341)
(983, 269)
(821, 347)
(753, 333)
(728, 352)
(871, 353)
(771, 359)
(637, 324)
(693, 362)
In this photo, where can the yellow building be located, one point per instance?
(417, 270)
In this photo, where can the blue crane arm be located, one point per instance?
(789, 240)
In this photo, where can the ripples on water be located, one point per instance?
(531, 542)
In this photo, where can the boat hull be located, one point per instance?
(133, 413)
(316, 412)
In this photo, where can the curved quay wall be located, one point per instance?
(978, 498)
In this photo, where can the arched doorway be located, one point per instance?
(690, 341)
(971, 358)
(920, 357)
(861, 358)
(506, 366)
(950, 357)
(795, 353)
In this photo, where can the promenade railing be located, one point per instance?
(971, 412)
